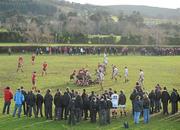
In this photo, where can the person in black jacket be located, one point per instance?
(157, 100)
(165, 99)
(48, 99)
(72, 110)
(58, 102)
(66, 101)
(93, 109)
(138, 107)
(24, 102)
(78, 106)
(39, 102)
(146, 107)
(152, 101)
(122, 102)
(178, 97)
(102, 111)
(85, 99)
(133, 96)
(174, 100)
(109, 106)
(31, 102)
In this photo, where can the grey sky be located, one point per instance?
(156, 3)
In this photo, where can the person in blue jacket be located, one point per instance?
(19, 99)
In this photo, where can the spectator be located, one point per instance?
(19, 99)
(39, 102)
(138, 106)
(8, 95)
(48, 99)
(146, 106)
(122, 103)
(165, 99)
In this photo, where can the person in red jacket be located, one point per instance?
(8, 95)
(44, 68)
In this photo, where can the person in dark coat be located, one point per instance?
(78, 106)
(165, 99)
(146, 107)
(66, 101)
(24, 103)
(133, 96)
(102, 111)
(85, 99)
(39, 102)
(58, 102)
(138, 107)
(48, 99)
(31, 102)
(93, 109)
(152, 101)
(72, 110)
(92, 95)
(109, 106)
(122, 103)
(178, 99)
(157, 100)
(174, 100)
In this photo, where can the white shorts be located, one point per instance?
(122, 106)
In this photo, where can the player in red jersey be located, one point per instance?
(33, 58)
(34, 80)
(20, 64)
(44, 69)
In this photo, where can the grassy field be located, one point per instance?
(162, 70)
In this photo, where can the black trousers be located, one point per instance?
(165, 108)
(25, 108)
(32, 107)
(39, 109)
(48, 111)
(93, 114)
(6, 105)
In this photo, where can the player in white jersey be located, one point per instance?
(114, 100)
(101, 78)
(105, 60)
(126, 73)
(141, 77)
(115, 73)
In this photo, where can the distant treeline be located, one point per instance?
(79, 38)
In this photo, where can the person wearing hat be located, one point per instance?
(8, 95)
(48, 99)
(18, 98)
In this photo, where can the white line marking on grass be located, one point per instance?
(33, 124)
